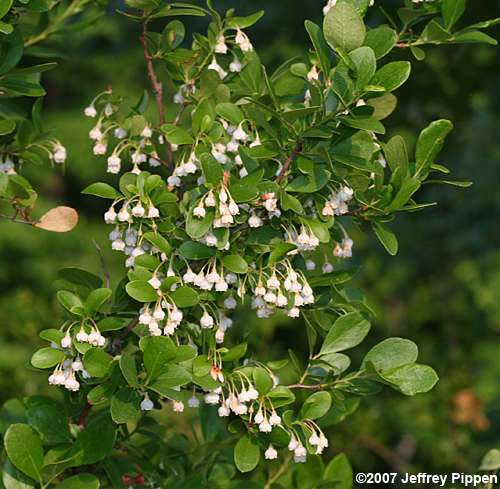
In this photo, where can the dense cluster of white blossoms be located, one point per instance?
(64, 373)
(240, 397)
(281, 286)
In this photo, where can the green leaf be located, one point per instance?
(344, 28)
(96, 362)
(384, 106)
(103, 190)
(6, 28)
(47, 357)
(381, 39)
(5, 6)
(396, 155)
(244, 22)
(366, 123)
(453, 183)
(452, 11)
(197, 227)
(347, 332)
(386, 237)
(246, 454)
(281, 396)
(320, 45)
(316, 405)
(171, 376)
(203, 117)
(80, 481)
(174, 34)
(176, 135)
(235, 353)
(339, 471)
(310, 183)
(408, 188)
(13, 478)
(412, 379)
(230, 112)
(473, 37)
(96, 299)
(235, 263)
(128, 368)
(6, 127)
(185, 297)
(366, 65)
(191, 250)
(289, 202)
(185, 353)
(11, 50)
(95, 442)
(141, 291)
(78, 276)
(391, 353)
(337, 361)
(245, 189)
(53, 335)
(280, 251)
(70, 301)
(212, 169)
(158, 240)
(430, 143)
(434, 33)
(24, 449)
(111, 324)
(263, 381)
(126, 406)
(392, 75)
(48, 417)
(158, 350)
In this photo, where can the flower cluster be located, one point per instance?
(137, 145)
(240, 397)
(163, 316)
(337, 204)
(344, 248)
(284, 288)
(65, 372)
(241, 41)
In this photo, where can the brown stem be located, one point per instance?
(82, 420)
(16, 219)
(276, 475)
(156, 85)
(117, 343)
(392, 458)
(104, 266)
(296, 151)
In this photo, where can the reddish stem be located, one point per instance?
(83, 416)
(156, 85)
(296, 151)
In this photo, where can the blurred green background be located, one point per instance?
(442, 290)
